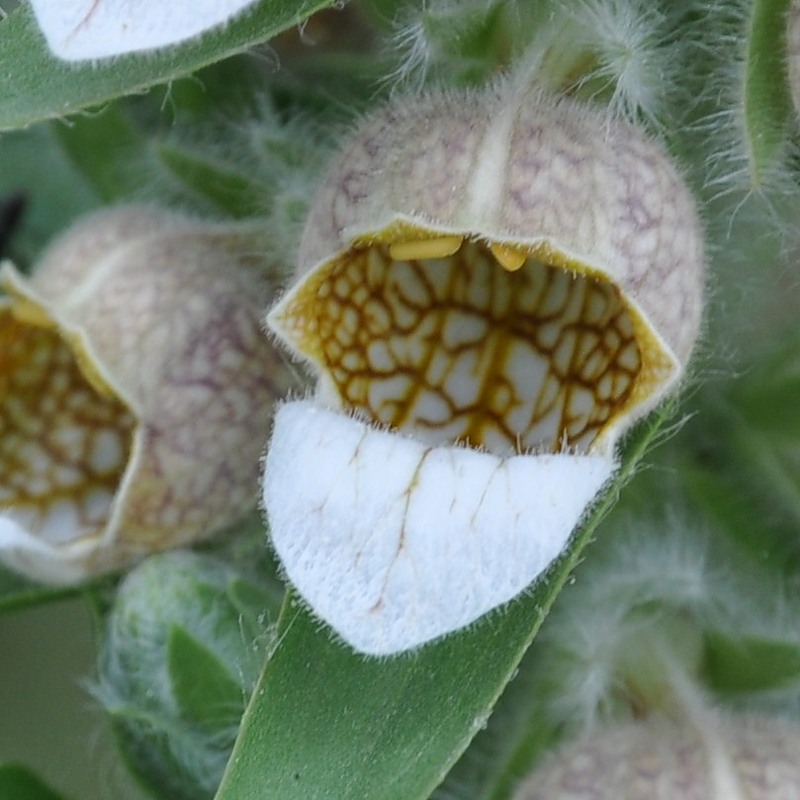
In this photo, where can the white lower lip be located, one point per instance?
(90, 29)
(394, 542)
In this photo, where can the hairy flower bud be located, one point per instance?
(741, 758)
(135, 384)
(491, 288)
(183, 645)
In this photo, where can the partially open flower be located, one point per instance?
(491, 288)
(725, 758)
(134, 386)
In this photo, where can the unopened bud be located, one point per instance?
(184, 643)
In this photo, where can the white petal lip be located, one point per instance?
(395, 543)
(77, 30)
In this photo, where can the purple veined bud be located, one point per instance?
(728, 758)
(135, 385)
(491, 288)
(91, 29)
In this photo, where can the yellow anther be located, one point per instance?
(31, 314)
(509, 258)
(419, 249)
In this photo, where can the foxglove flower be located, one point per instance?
(491, 288)
(134, 384)
(77, 30)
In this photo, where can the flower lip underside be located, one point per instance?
(64, 445)
(505, 347)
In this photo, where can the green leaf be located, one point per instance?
(204, 691)
(326, 722)
(750, 663)
(228, 191)
(107, 150)
(766, 100)
(19, 783)
(38, 86)
(741, 513)
(475, 36)
(246, 597)
(755, 465)
(771, 468)
(777, 409)
(769, 395)
(17, 593)
(518, 731)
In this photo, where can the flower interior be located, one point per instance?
(500, 347)
(64, 440)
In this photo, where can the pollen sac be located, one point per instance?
(134, 381)
(507, 275)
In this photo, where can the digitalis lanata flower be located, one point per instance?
(491, 288)
(135, 384)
